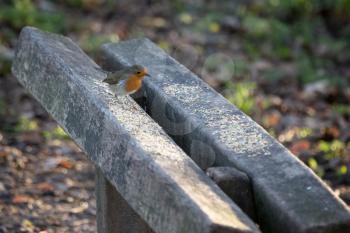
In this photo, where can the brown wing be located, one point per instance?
(115, 77)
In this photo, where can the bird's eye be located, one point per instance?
(138, 72)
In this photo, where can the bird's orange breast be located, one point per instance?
(133, 84)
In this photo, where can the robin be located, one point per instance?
(126, 81)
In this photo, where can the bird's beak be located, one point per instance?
(147, 75)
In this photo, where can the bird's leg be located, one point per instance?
(145, 96)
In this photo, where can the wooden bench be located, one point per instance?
(150, 169)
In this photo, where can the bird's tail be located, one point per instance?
(109, 80)
(100, 69)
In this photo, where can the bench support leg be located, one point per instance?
(114, 215)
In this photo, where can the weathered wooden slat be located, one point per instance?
(155, 177)
(289, 197)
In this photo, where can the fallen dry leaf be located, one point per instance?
(331, 132)
(300, 146)
(272, 119)
(52, 163)
(82, 207)
(21, 198)
(45, 186)
(65, 163)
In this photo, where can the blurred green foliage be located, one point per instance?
(304, 132)
(241, 95)
(332, 149)
(55, 133)
(342, 170)
(208, 23)
(25, 124)
(301, 31)
(24, 12)
(313, 164)
(311, 34)
(342, 109)
(94, 42)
